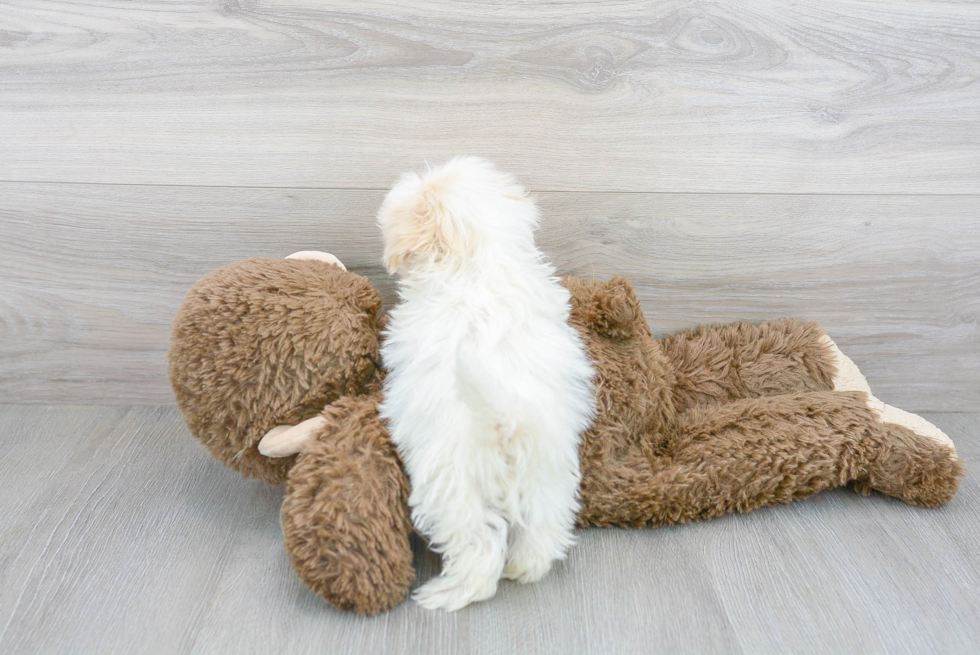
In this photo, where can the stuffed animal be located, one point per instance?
(275, 367)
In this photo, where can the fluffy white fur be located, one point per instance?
(488, 388)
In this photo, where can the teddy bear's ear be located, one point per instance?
(345, 519)
(287, 440)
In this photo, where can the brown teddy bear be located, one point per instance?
(275, 366)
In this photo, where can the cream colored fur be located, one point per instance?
(850, 378)
(318, 256)
(488, 387)
(286, 440)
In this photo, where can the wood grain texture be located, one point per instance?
(92, 275)
(121, 535)
(822, 96)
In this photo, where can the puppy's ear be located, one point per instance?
(423, 226)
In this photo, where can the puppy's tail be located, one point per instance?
(490, 400)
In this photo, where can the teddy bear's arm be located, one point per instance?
(721, 363)
(345, 518)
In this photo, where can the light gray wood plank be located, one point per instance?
(732, 96)
(92, 275)
(894, 280)
(121, 535)
(99, 553)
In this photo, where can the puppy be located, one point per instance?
(488, 388)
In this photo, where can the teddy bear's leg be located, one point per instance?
(763, 451)
(919, 470)
(777, 449)
(850, 378)
(721, 363)
(345, 517)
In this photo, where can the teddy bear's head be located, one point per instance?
(265, 342)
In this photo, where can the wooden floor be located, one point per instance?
(121, 535)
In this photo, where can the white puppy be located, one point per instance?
(488, 388)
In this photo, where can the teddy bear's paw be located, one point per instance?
(316, 255)
(921, 470)
(848, 377)
(454, 592)
(916, 424)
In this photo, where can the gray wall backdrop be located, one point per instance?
(734, 159)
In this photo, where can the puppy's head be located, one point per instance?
(452, 213)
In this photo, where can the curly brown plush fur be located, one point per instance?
(729, 418)
(709, 421)
(265, 342)
(345, 520)
(716, 364)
